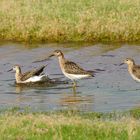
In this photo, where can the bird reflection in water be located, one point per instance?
(76, 101)
(22, 87)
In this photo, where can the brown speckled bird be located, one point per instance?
(34, 75)
(71, 69)
(133, 69)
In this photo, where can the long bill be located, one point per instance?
(10, 70)
(42, 60)
(51, 55)
(121, 64)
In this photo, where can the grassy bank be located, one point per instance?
(69, 126)
(70, 20)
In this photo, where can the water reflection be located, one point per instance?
(19, 88)
(76, 101)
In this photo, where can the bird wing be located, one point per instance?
(73, 68)
(38, 71)
(34, 72)
(136, 71)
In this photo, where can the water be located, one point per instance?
(110, 90)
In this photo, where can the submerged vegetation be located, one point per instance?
(70, 20)
(69, 125)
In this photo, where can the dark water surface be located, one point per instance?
(110, 90)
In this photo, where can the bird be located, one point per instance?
(133, 69)
(70, 69)
(31, 76)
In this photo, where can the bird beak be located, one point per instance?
(51, 55)
(10, 70)
(121, 64)
(41, 60)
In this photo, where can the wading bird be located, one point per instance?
(133, 69)
(70, 69)
(34, 75)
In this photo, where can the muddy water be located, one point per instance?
(112, 89)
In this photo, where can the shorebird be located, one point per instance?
(70, 69)
(34, 75)
(133, 69)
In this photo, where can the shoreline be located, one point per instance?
(70, 42)
(57, 21)
(23, 124)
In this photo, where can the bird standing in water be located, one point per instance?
(70, 69)
(133, 69)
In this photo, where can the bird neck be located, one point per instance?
(130, 67)
(61, 61)
(18, 75)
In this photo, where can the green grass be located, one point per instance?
(69, 125)
(70, 20)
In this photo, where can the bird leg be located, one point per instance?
(74, 83)
(74, 90)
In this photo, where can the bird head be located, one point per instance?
(16, 67)
(57, 53)
(129, 61)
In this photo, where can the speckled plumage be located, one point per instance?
(136, 71)
(69, 68)
(72, 68)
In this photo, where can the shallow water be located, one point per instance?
(110, 90)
